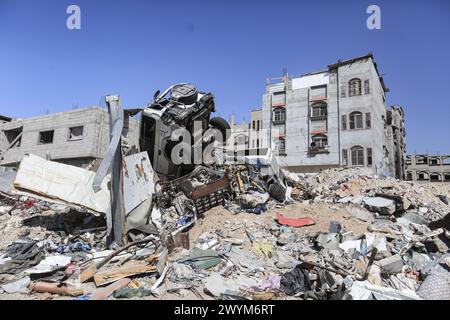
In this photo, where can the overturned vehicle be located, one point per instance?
(177, 130)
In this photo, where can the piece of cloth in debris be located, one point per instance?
(23, 254)
(295, 281)
(218, 285)
(271, 283)
(77, 246)
(203, 259)
(436, 286)
(364, 290)
(294, 222)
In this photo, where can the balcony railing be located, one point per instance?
(318, 150)
(318, 117)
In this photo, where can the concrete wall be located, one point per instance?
(93, 145)
(428, 168)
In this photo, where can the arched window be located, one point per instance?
(357, 156)
(319, 141)
(279, 115)
(240, 139)
(319, 110)
(355, 120)
(354, 87)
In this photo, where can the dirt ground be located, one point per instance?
(233, 225)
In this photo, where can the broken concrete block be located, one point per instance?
(286, 237)
(360, 213)
(392, 264)
(379, 204)
(18, 286)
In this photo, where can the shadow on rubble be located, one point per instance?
(65, 223)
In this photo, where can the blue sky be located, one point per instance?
(229, 47)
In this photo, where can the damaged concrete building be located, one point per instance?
(433, 168)
(77, 137)
(334, 117)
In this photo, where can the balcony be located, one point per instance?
(319, 117)
(318, 150)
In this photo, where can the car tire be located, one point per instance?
(222, 125)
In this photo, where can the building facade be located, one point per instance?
(428, 168)
(395, 141)
(249, 136)
(76, 137)
(330, 118)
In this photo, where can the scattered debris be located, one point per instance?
(230, 231)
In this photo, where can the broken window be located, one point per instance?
(409, 175)
(356, 120)
(369, 156)
(344, 157)
(354, 87)
(421, 160)
(446, 161)
(257, 125)
(344, 122)
(257, 143)
(76, 133)
(366, 87)
(434, 162)
(447, 176)
(357, 156)
(253, 125)
(422, 175)
(279, 115)
(368, 120)
(435, 176)
(14, 137)
(319, 141)
(408, 160)
(46, 136)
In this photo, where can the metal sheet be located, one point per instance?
(57, 182)
(138, 180)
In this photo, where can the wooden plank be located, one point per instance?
(128, 270)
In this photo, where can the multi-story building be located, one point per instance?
(330, 118)
(76, 137)
(249, 136)
(422, 167)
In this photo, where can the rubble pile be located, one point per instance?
(238, 232)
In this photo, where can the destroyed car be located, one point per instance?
(181, 106)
